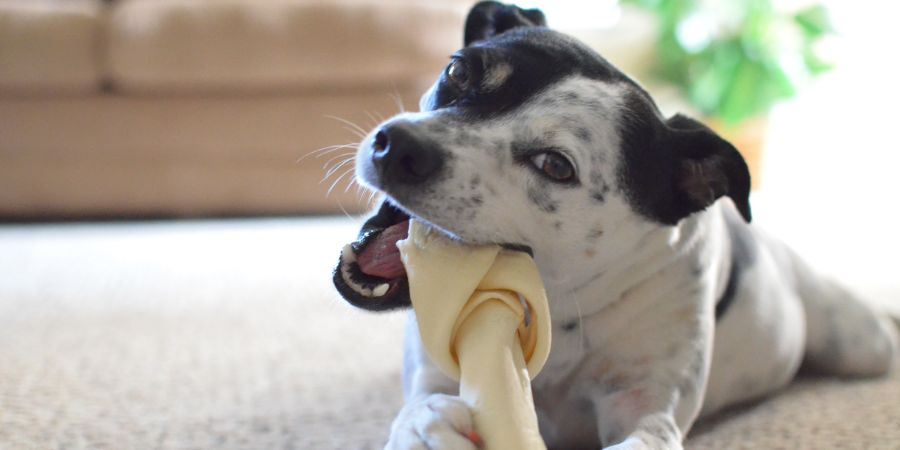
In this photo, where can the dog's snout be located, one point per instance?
(401, 157)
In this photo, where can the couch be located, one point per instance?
(125, 108)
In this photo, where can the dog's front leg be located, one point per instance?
(433, 416)
(656, 430)
(648, 393)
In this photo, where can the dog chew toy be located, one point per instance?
(484, 320)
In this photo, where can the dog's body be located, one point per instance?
(666, 303)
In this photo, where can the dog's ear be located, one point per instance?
(707, 167)
(488, 19)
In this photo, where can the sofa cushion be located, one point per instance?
(49, 44)
(190, 155)
(227, 44)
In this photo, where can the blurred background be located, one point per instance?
(124, 109)
(176, 183)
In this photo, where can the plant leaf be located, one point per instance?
(814, 21)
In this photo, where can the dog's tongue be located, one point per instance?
(381, 258)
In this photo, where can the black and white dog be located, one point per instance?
(666, 304)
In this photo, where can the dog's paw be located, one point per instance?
(436, 422)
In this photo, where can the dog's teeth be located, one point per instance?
(381, 289)
(348, 255)
(345, 274)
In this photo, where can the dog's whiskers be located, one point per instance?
(333, 158)
(351, 181)
(330, 168)
(359, 192)
(375, 120)
(356, 129)
(338, 180)
(332, 148)
(398, 101)
(355, 132)
(372, 195)
(350, 184)
(344, 210)
(324, 151)
(338, 166)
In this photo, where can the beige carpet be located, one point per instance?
(227, 335)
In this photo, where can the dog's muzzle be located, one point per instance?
(400, 158)
(370, 273)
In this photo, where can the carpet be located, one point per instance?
(228, 335)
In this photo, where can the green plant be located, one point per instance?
(733, 60)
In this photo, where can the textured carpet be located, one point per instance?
(227, 335)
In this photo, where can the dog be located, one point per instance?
(667, 305)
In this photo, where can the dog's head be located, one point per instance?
(531, 140)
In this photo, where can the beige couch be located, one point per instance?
(201, 107)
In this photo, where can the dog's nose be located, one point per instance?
(401, 157)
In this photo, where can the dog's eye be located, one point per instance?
(554, 165)
(458, 73)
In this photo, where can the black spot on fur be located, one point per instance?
(569, 326)
(583, 135)
(542, 200)
(595, 234)
(601, 188)
(697, 272)
(475, 181)
(468, 139)
(550, 103)
(571, 97)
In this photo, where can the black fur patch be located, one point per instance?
(599, 193)
(583, 135)
(646, 167)
(542, 199)
(539, 57)
(487, 19)
(743, 256)
(675, 168)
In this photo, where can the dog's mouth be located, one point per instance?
(370, 273)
